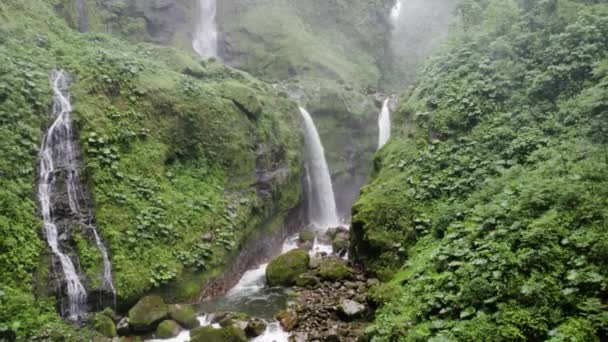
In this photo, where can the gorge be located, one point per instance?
(275, 170)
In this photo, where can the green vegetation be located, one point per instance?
(336, 40)
(487, 214)
(172, 151)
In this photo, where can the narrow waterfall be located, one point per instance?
(205, 34)
(323, 211)
(58, 159)
(384, 124)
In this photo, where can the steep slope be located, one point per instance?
(487, 213)
(334, 55)
(183, 162)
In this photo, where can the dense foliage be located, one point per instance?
(173, 154)
(487, 216)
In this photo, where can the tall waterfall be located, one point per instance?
(322, 209)
(58, 159)
(384, 124)
(205, 35)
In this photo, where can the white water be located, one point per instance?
(322, 212)
(384, 125)
(396, 10)
(251, 287)
(205, 35)
(57, 152)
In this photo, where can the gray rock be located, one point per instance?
(350, 309)
(123, 328)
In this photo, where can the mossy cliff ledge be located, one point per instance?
(184, 162)
(486, 216)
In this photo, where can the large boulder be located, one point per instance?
(349, 309)
(147, 313)
(210, 334)
(184, 315)
(288, 319)
(255, 328)
(167, 329)
(285, 269)
(333, 269)
(104, 325)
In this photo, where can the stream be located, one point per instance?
(253, 297)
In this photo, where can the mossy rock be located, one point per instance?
(210, 334)
(307, 280)
(340, 243)
(167, 329)
(255, 328)
(307, 236)
(333, 269)
(104, 325)
(184, 315)
(110, 314)
(284, 270)
(147, 313)
(244, 98)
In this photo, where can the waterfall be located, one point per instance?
(396, 10)
(58, 159)
(323, 211)
(384, 125)
(205, 35)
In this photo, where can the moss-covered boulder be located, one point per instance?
(110, 314)
(184, 315)
(147, 313)
(210, 334)
(104, 325)
(333, 269)
(167, 329)
(284, 270)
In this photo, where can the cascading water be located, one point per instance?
(323, 212)
(205, 35)
(384, 124)
(58, 158)
(56, 153)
